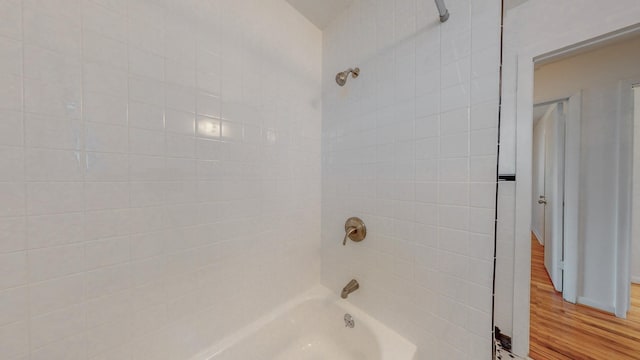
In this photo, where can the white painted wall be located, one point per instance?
(531, 29)
(410, 147)
(635, 257)
(537, 216)
(126, 231)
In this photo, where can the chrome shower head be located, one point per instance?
(341, 77)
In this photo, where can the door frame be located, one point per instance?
(572, 123)
(635, 203)
(625, 203)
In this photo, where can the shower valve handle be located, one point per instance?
(354, 229)
(348, 234)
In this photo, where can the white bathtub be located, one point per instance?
(312, 327)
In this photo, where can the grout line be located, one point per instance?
(497, 174)
(25, 185)
(83, 138)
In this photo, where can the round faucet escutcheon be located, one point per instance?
(354, 229)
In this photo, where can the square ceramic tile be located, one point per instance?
(14, 269)
(11, 19)
(12, 198)
(55, 230)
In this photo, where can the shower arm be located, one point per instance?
(354, 72)
(442, 9)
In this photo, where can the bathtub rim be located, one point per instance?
(392, 345)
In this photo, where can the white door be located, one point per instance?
(554, 195)
(537, 213)
(635, 223)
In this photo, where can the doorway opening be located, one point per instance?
(585, 223)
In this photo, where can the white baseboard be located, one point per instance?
(538, 236)
(594, 304)
(635, 279)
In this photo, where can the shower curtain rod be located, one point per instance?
(442, 9)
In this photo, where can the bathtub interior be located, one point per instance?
(311, 326)
(312, 330)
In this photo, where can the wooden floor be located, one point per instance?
(561, 330)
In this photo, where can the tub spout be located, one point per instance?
(351, 287)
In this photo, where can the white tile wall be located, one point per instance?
(410, 147)
(124, 233)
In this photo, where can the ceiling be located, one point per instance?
(320, 12)
(510, 4)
